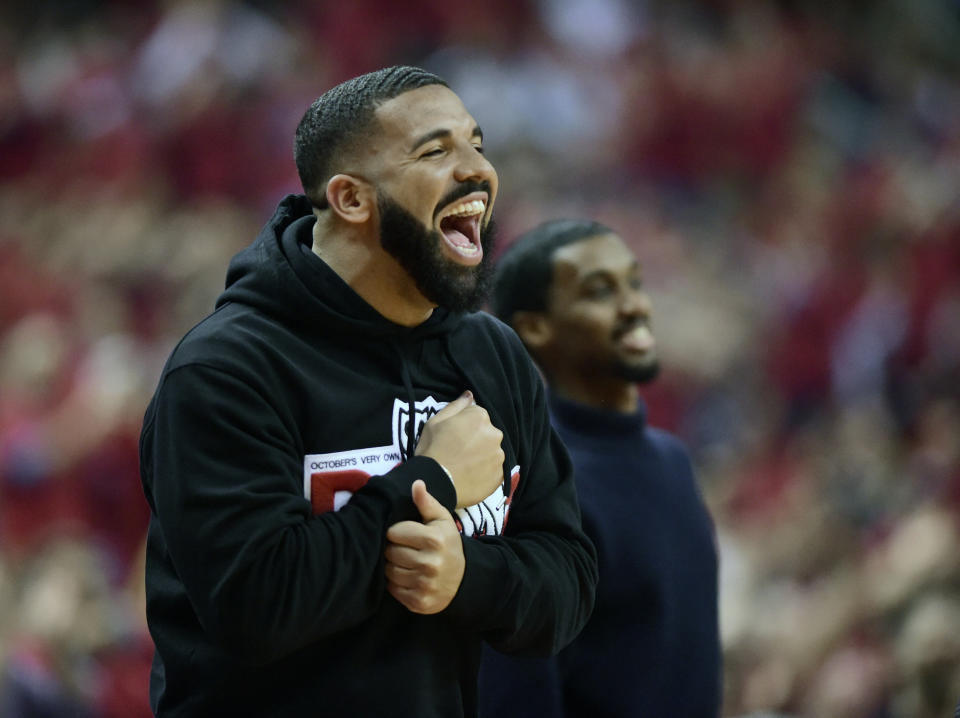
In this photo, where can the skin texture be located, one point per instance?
(583, 341)
(422, 151)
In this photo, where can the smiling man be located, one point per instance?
(574, 292)
(352, 476)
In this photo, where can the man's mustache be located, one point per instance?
(460, 191)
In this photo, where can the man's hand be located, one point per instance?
(425, 561)
(462, 439)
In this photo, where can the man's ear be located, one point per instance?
(351, 198)
(534, 328)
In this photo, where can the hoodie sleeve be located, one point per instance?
(224, 479)
(531, 590)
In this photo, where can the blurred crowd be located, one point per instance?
(789, 173)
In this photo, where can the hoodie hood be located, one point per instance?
(280, 275)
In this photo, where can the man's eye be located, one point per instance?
(478, 148)
(598, 291)
(435, 152)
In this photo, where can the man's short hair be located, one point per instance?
(339, 118)
(524, 272)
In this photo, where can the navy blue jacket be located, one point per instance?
(651, 649)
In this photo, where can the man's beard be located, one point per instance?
(419, 250)
(638, 373)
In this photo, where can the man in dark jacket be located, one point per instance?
(352, 478)
(573, 290)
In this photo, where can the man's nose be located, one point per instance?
(635, 303)
(472, 165)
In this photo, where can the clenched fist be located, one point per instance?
(462, 439)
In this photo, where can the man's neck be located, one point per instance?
(619, 396)
(374, 275)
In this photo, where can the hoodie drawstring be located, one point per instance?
(411, 401)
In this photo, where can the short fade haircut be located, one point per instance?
(340, 116)
(524, 272)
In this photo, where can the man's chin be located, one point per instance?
(465, 289)
(639, 373)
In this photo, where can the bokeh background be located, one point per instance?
(789, 173)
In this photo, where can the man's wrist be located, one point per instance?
(426, 468)
(449, 475)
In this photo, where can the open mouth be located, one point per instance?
(460, 226)
(638, 338)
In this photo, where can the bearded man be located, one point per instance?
(352, 477)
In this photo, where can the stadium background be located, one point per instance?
(788, 171)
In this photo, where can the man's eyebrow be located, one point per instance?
(604, 274)
(607, 273)
(444, 133)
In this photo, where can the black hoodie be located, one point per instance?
(275, 454)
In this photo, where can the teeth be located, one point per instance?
(640, 338)
(467, 209)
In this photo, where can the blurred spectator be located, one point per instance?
(69, 622)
